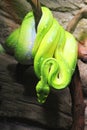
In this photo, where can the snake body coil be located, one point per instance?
(53, 50)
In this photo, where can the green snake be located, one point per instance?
(52, 50)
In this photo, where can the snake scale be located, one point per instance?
(52, 49)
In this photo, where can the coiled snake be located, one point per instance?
(52, 49)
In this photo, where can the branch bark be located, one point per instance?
(73, 23)
(78, 105)
(37, 10)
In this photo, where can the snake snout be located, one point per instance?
(42, 90)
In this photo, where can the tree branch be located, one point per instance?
(78, 106)
(73, 23)
(37, 10)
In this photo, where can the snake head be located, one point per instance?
(42, 90)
